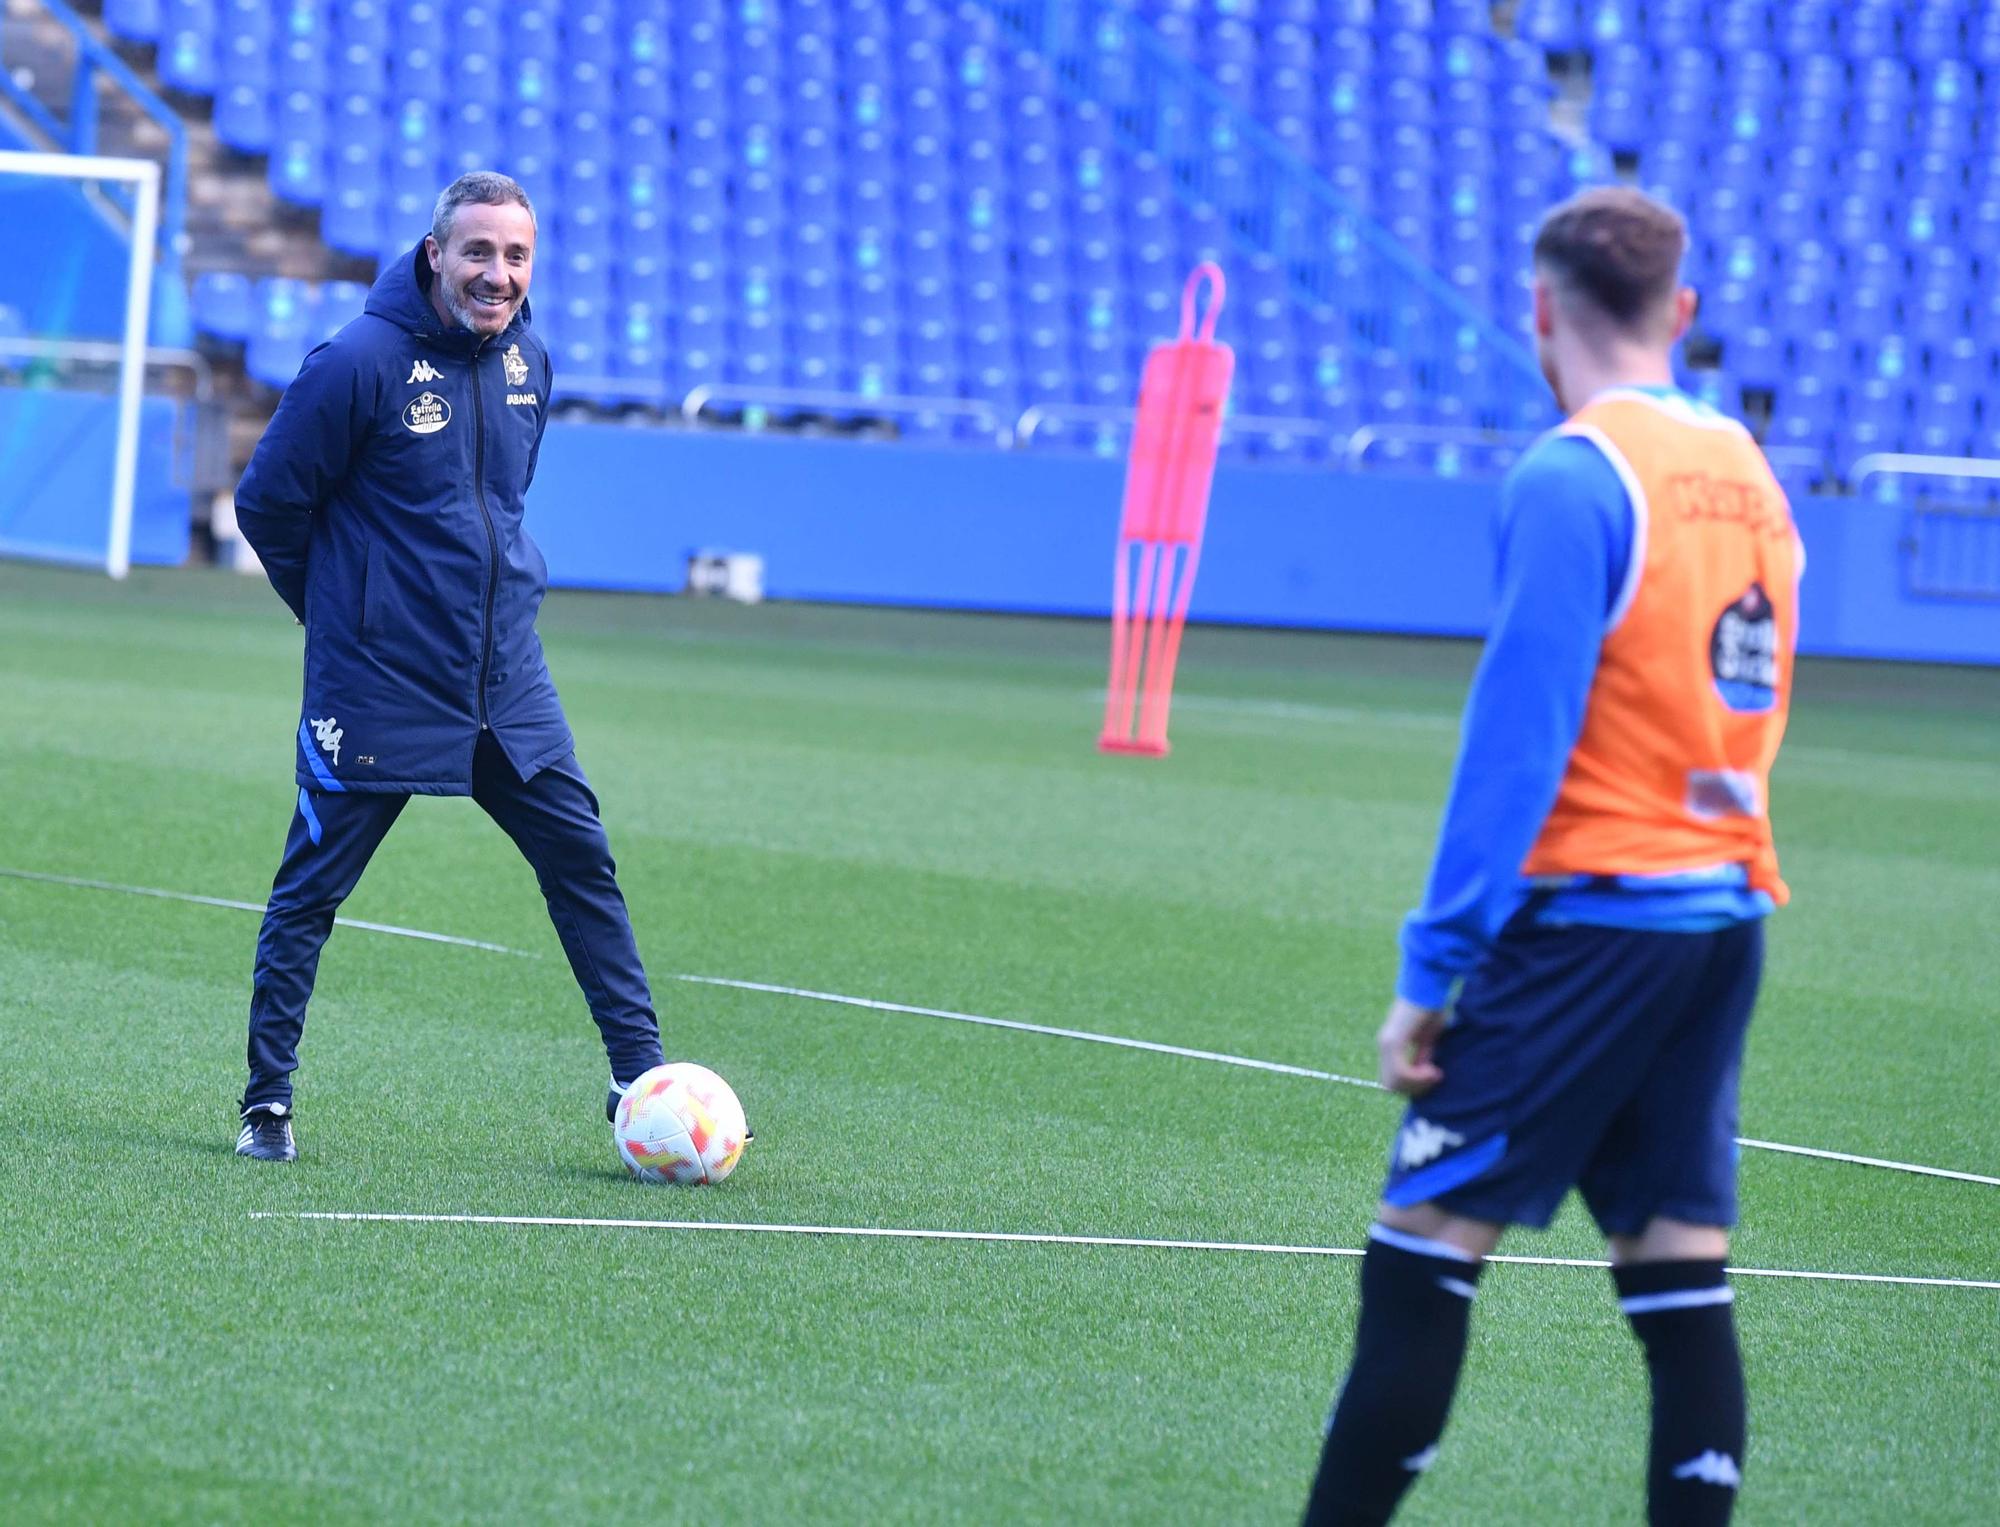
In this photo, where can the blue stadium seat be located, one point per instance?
(1964, 362)
(1865, 29)
(473, 136)
(528, 149)
(1804, 26)
(257, 19)
(369, 23)
(243, 117)
(245, 58)
(339, 304)
(137, 19)
(297, 171)
(224, 304)
(1874, 417)
(300, 65)
(282, 328)
(1736, 26)
(351, 220)
(187, 46)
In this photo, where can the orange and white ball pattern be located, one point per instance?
(679, 1123)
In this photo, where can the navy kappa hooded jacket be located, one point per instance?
(385, 501)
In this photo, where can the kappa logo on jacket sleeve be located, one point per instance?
(423, 371)
(427, 414)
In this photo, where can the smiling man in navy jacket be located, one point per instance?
(385, 500)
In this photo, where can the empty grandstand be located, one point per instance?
(966, 220)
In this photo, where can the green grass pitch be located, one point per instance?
(908, 807)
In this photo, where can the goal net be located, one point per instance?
(74, 300)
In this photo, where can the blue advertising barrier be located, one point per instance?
(56, 451)
(860, 522)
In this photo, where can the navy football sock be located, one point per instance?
(1416, 1296)
(1680, 1311)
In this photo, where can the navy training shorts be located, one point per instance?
(1605, 1059)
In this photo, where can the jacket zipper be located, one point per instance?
(492, 540)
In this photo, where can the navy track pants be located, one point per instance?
(553, 820)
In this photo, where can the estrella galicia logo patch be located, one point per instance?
(427, 414)
(1743, 652)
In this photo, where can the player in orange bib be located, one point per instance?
(1598, 895)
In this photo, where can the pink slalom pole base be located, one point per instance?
(1109, 743)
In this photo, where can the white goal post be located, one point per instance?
(144, 176)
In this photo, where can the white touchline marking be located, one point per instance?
(1894, 1166)
(1255, 1065)
(1119, 1041)
(1013, 1237)
(257, 907)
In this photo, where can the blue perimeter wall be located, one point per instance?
(56, 456)
(863, 522)
(67, 280)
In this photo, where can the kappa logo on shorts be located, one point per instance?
(1421, 1141)
(427, 414)
(328, 735)
(517, 368)
(423, 371)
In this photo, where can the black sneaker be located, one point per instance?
(267, 1133)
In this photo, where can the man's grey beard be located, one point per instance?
(462, 310)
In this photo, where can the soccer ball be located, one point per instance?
(679, 1123)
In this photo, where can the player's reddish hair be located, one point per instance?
(1616, 248)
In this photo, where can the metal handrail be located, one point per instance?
(80, 136)
(1037, 414)
(700, 396)
(1903, 464)
(652, 389)
(110, 352)
(1430, 434)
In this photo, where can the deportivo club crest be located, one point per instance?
(517, 369)
(427, 414)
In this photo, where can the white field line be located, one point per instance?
(1893, 1166)
(1256, 1065)
(882, 1232)
(257, 907)
(1119, 1041)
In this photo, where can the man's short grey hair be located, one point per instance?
(476, 188)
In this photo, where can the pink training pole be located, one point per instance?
(1167, 483)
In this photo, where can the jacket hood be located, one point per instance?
(402, 295)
